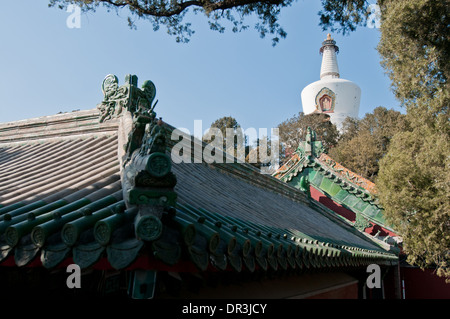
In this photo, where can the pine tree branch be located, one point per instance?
(159, 9)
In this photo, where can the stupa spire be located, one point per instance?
(333, 95)
(329, 66)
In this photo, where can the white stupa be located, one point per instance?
(337, 97)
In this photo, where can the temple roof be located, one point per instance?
(309, 165)
(63, 199)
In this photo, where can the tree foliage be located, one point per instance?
(226, 133)
(365, 141)
(414, 189)
(414, 47)
(414, 180)
(234, 141)
(224, 123)
(172, 14)
(345, 16)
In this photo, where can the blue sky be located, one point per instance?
(47, 67)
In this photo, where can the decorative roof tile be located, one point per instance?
(346, 174)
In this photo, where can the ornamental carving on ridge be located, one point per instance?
(128, 96)
(346, 174)
(361, 223)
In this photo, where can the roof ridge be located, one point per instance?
(348, 174)
(55, 127)
(55, 117)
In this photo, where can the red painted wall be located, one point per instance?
(346, 213)
(423, 284)
(321, 198)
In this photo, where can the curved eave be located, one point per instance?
(355, 195)
(208, 240)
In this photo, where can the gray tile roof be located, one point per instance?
(61, 197)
